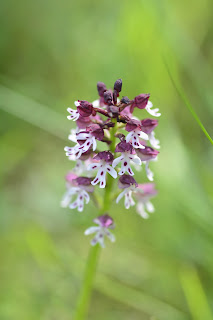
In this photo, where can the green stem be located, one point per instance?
(91, 266)
(84, 299)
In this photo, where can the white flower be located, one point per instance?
(79, 202)
(78, 149)
(153, 112)
(127, 193)
(104, 223)
(134, 136)
(155, 143)
(125, 159)
(103, 168)
(142, 207)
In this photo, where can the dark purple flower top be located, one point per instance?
(126, 181)
(83, 181)
(140, 101)
(148, 125)
(124, 146)
(107, 156)
(104, 221)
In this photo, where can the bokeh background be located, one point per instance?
(52, 53)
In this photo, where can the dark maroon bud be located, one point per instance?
(123, 146)
(101, 88)
(149, 122)
(120, 136)
(104, 155)
(148, 125)
(125, 100)
(132, 125)
(147, 153)
(85, 108)
(126, 181)
(112, 110)
(108, 97)
(118, 85)
(140, 101)
(83, 181)
(115, 95)
(97, 131)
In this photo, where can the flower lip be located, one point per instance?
(126, 181)
(124, 146)
(104, 221)
(107, 156)
(83, 181)
(85, 108)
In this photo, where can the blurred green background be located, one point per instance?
(52, 53)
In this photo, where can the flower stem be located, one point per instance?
(84, 299)
(91, 266)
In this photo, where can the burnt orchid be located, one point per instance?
(124, 139)
(108, 144)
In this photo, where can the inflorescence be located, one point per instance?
(108, 120)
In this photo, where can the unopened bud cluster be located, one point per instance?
(128, 142)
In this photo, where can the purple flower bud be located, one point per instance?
(118, 85)
(125, 100)
(83, 181)
(97, 131)
(132, 125)
(112, 110)
(147, 153)
(108, 97)
(149, 125)
(107, 156)
(104, 221)
(124, 146)
(85, 108)
(101, 88)
(140, 101)
(126, 181)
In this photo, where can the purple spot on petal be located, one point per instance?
(95, 180)
(102, 173)
(129, 170)
(81, 197)
(125, 163)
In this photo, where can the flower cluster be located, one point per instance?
(127, 141)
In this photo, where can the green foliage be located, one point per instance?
(52, 53)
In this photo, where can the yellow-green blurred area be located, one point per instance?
(52, 53)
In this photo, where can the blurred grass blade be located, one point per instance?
(33, 112)
(187, 103)
(195, 294)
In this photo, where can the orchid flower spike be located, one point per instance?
(95, 147)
